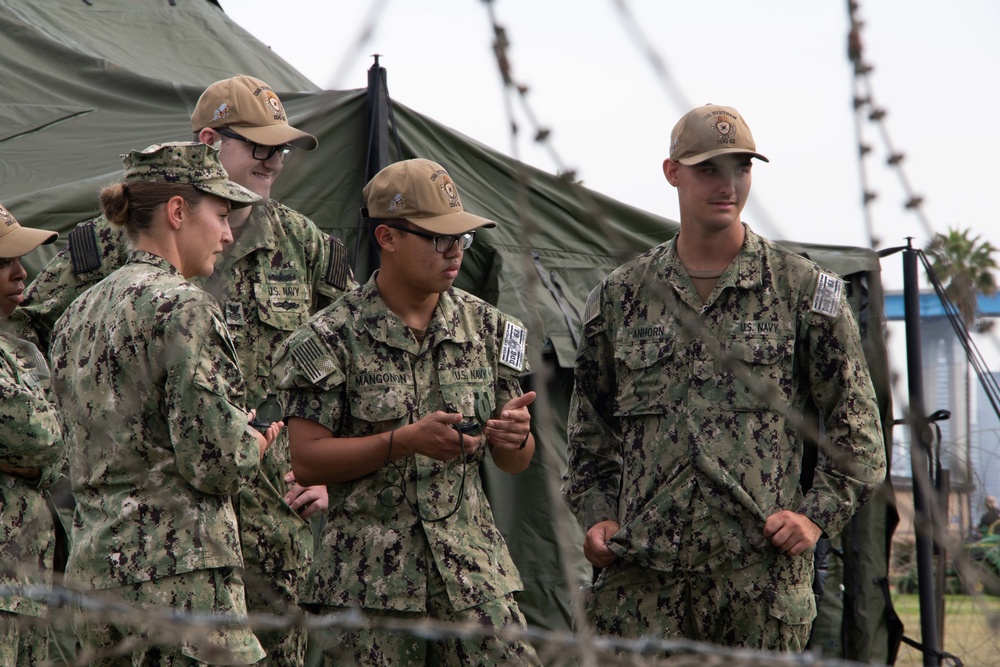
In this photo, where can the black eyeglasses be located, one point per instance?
(260, 151)
(442, 242)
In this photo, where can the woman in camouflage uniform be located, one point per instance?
(158, 438)
(31, 450)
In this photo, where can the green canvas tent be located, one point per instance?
(87, 80)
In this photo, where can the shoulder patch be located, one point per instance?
(311, 359)
(593, 308)
(83, 248)
(338, 270)
(515, 341)
(826, 299)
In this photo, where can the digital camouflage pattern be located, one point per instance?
(219, 590)
(280, 269)
(30, 438)
(683, 423)
(157, 436)
(186, 162)
(373, 647)
(754, 607)
(357, 369)
(22, 642)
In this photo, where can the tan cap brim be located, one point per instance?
(708, 155)
(276, 135)
(20, 240)
(454, 224)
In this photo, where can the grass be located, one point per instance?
(971, 629)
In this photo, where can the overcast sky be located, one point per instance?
(782, 63)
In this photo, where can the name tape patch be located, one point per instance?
(826, 300)
(515, 340)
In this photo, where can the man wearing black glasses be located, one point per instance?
(279, 270)
(395, 395)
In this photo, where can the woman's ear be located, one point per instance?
(176, 209)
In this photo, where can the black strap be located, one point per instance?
(895, 627)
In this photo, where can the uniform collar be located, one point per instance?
(745, 271)
(143, 257)
(255, 234)
(385, 326)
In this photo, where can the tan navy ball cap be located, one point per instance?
(189, 162)
(422, 192)
(16, 241)
(708, 131)
(251, 109)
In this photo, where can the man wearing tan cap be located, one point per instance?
(279, 270)
(31, 455)
(685, 431)
(394, 396)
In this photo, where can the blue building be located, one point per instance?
(970, 438)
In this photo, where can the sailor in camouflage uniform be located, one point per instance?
(376, 383)
(31, 456)
(686, 431)
(158, 437)
(280, 269)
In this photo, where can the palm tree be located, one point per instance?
(965, 266)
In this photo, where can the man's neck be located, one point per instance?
(709, 250)
(415, 308)
(239, 216)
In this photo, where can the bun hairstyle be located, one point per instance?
(131, 205)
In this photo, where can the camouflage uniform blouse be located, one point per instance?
(157, 436)
(675, 401)
(357, 369)
(30, 437)
(280, 269)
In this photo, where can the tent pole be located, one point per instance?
(378, 138)
(378, 120)
(920, 446)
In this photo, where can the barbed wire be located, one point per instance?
(758, 212)
(559, 646)
(865, 107)
(162, 626)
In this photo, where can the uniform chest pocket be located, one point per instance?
(381, 408)
(281, 303)
(644, 373)
(758, 371)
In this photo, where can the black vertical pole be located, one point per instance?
(920, 446)
(378, 119)
(378, 139)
